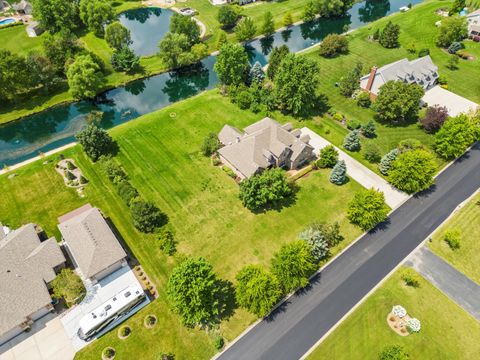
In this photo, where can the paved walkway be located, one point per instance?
(449, 280)
(359, 172)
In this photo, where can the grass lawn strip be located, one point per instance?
(162, 157)
(447, 332)
(467, 257)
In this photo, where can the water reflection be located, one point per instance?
(55, 127)
(147, 27)
(373, 10)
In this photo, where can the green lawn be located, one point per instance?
(448, 332)
(417, 25)
(467, 258)
(161, 155)
(207, 13)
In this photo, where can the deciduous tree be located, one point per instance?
(267, 189)
(146, 216)
(434, 118)
(232, 64)
(117, 36)
(95, 14)
(56, 15)
(328, 157)
(389, 36)
(227, 16)
(367, 209)
(412, 171)
(455, 136)
(68, 285)
(333, 45)
(84, 77)
(268, 27)
(453, 28)
(398, 101)
(180, 24)
(95, 142)
(257, 290)
(194, 292)
(293, 265)
(276, 57)
(125, 59)
(296, 83)
(350, 82)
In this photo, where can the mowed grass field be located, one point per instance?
(467, 258)
(447, 331)
(417, 25)
(162, 156)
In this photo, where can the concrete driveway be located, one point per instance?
(47, 340)
(454, 103)
(359, 172)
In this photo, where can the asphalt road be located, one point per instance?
(298, 324)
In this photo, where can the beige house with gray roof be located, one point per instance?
(263, 145)
(27, 267)
(91, 243)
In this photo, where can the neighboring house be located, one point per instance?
(473, 18)
(23, 7)
(262, 145)
(90, 243)
(2, 5)
(34, 29)
(421, 71)
(27, 267)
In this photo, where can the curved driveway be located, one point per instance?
(297, 325)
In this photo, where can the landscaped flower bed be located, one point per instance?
(400, 322)
(71, 173)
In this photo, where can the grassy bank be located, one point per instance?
(467, 257)
(161, 155)
(447, 332)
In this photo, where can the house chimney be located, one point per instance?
(373, 71)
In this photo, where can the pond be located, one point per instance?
(52, 128)
(147, 27)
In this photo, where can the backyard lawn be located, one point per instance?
(467, 257)
(416, 26)
(447, 331)
(161, 155)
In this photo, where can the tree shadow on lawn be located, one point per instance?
(279, 205)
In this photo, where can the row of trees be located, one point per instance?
(326, 9)
(292, 85)
(99, 146)
(58, 15)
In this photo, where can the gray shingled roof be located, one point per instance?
(26, 265)
(421, 71)
(91, 241)
(258, 148)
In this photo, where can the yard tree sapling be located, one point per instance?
(328, 157)
(245, 29)
(338, 176)
(455, 136)
(352, 141)
(386, 161)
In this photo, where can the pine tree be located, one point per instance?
(387, 160)
(389, 36)
(256, 74)
(288, 20)
(369, 129)
(338, 176)
(268, 27)
(352, 141)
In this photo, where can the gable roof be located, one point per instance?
(258, 148)
(421, 71)
(90, 239)
(26, 265)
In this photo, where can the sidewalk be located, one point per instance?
(359, 172)
(447, 279)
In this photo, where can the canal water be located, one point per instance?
(147, 27)
(26, 138)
